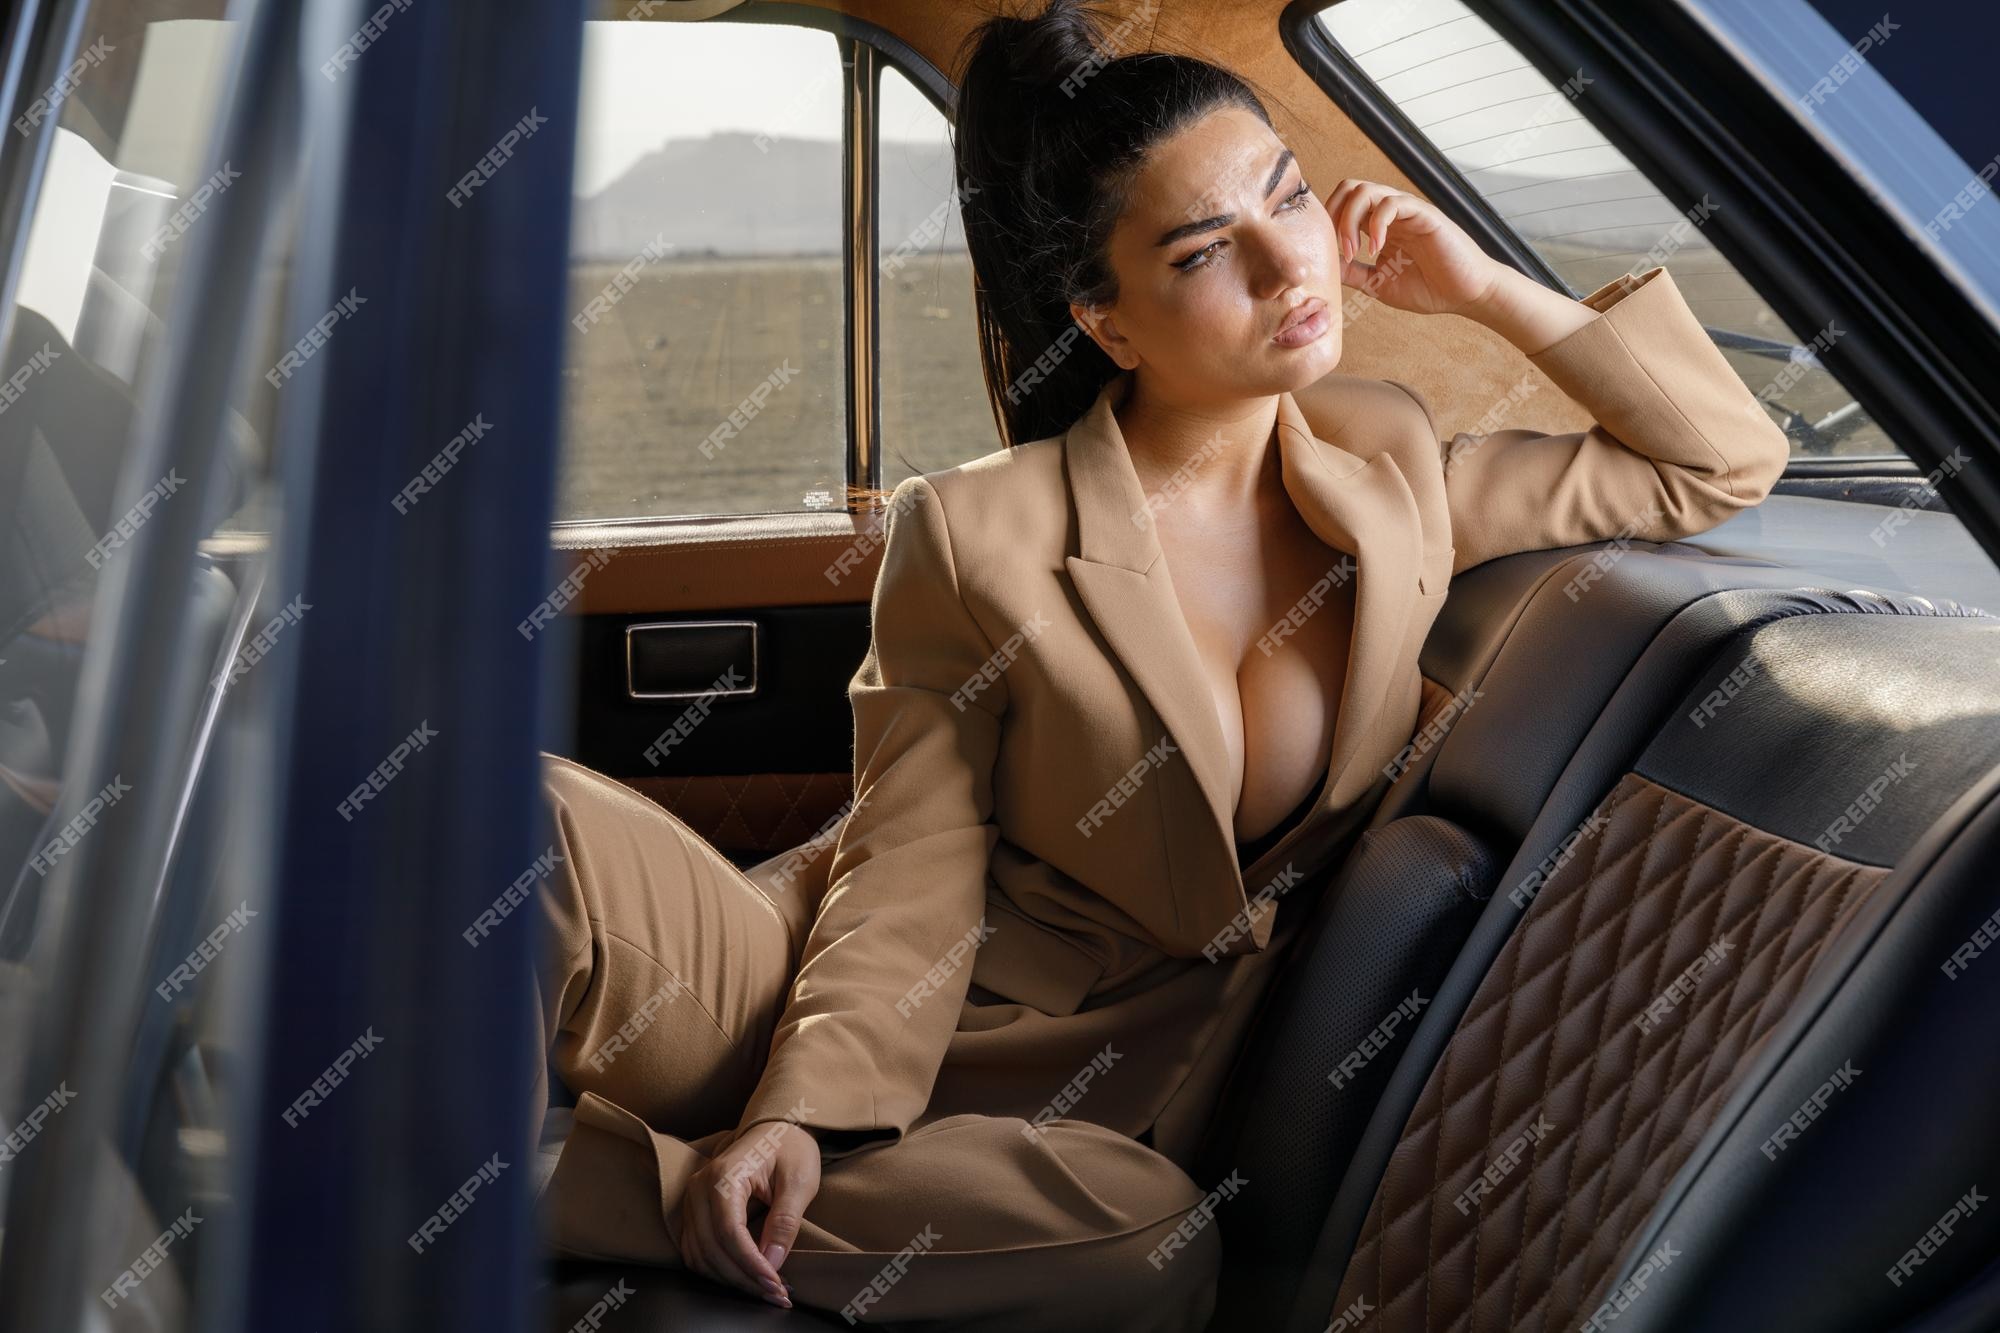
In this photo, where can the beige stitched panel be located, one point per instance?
(1550, 1055)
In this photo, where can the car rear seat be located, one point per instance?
(645, 1299)
(1547, 636)
(1645, 1177)
(1550, 641)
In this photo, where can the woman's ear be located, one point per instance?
(1101, 323)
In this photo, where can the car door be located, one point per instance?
(1853, 212)
(252, 257)
(132, 460)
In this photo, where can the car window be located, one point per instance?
(706, 365)
(708, 361)
(934, 408)
(1522, 144)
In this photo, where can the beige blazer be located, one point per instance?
(1038, 885)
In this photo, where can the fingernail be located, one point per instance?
(775, 1253)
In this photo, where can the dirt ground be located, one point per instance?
(650, 385)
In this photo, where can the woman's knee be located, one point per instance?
(621, 862)
(1067, 1225)
(1166, 1254)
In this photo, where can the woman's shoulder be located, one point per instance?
(1027, 471)
(1364, 415)
(1347, 401)
(1000, 502)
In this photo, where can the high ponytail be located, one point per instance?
(1053, 123)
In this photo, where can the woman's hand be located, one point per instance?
(1425, 263)
(775, 1161)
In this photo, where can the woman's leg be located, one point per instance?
(983, 1224)
(666, 969)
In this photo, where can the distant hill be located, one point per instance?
(735, 193)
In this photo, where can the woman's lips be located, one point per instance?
(1306, 324)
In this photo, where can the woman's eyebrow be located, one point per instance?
(1224, 219)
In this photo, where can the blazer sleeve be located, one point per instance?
(1679, 444)
(885, 967)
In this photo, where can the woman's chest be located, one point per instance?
(1271, 613)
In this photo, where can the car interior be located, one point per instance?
(1659, 945)
(1535, 951)
(1588, 670)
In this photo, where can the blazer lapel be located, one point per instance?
(1360, 507)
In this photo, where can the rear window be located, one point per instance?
(1520, 141)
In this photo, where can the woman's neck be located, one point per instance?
(1222, 452)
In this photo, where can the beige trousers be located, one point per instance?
(995, 1229)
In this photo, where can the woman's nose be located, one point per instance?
(1286, 259)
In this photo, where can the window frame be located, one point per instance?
(865, 51)
(1383, 121)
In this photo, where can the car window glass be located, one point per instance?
(1902, 99)
(128, 188)
(706, 364)
(1522, 143)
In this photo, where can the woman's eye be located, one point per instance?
(1198, 259)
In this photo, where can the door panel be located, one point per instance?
(754, 774)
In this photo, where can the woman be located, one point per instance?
(963, 1081)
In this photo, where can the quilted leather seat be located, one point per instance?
(1702, 1063)
(1569, 692)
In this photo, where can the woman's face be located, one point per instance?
(1221, 239)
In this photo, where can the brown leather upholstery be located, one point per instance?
(752, 815)
(1549, 1091)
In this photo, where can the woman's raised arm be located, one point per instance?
(1678, 443)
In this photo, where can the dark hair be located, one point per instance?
(1052, 126)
